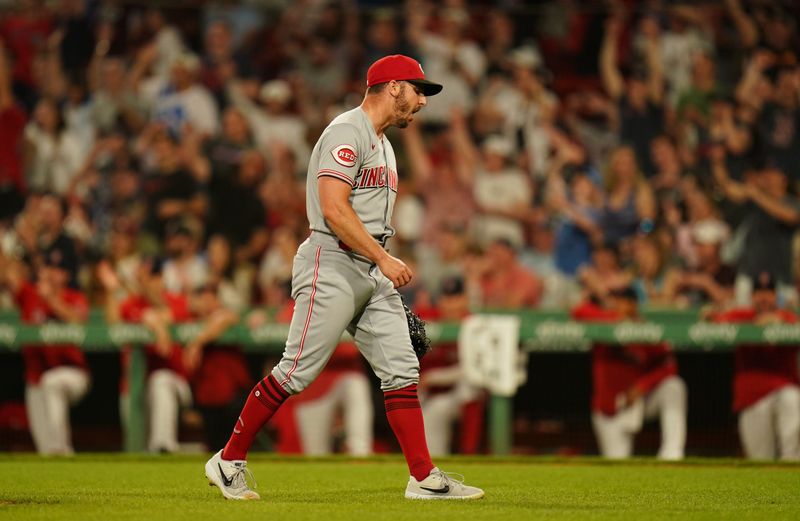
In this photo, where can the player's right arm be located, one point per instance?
(334, 196)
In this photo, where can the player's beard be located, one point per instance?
(402, 109)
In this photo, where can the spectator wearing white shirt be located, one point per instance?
(502, 192)
(54, 154)
(447, 55)
(271, 121)
(166, 40)
(183, 100)
(525, 105)
(187, 269)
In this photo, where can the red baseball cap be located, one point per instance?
(401, 68)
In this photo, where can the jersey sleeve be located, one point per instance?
(340, 154)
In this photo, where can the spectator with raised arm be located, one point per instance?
(528, 106)
(449, 55)
(442, 181)
(502, 192)
(771, 219)
(170, 185)
(225, 151)
(181, 100)
(574, 199)
(269, 113)
(639, 96)
(54, 155)
(220, 61)
(245, 229)
(113, 100)
(628, 205)
(779, 123)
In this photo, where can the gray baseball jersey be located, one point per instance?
(336, 290)
(350, 150)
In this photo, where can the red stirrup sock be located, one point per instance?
(265, 398)
(405, 417)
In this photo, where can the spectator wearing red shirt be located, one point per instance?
(25, 32)
(445, 396)
(633, 383)
(56, 375)
(12, 125)
(766, 387)
(504, 282)
(167, 383)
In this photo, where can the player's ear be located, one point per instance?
(394, 88)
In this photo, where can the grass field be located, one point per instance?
(115, 487)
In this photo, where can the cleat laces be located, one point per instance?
(243, 477)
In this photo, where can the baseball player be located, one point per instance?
(56, 376)
(167, 383)
(343, 279)
(633, 383)
(766, 385)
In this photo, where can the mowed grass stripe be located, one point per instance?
(111, 487)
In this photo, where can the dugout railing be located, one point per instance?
(540, 331)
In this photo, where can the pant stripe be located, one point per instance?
(308, 317)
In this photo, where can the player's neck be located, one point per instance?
(379, 116)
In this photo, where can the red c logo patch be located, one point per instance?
(345, 155)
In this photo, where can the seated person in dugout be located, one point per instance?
(766, 387)
(633, 383)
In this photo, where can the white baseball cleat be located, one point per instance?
(441, 485)
(230, 477)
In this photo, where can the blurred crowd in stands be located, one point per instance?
(155, 159)
(652, 143)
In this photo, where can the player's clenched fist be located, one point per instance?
(395, 270)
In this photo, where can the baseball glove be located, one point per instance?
(416, 329)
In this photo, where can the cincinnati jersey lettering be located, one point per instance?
(376, 177)
(350, 151)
